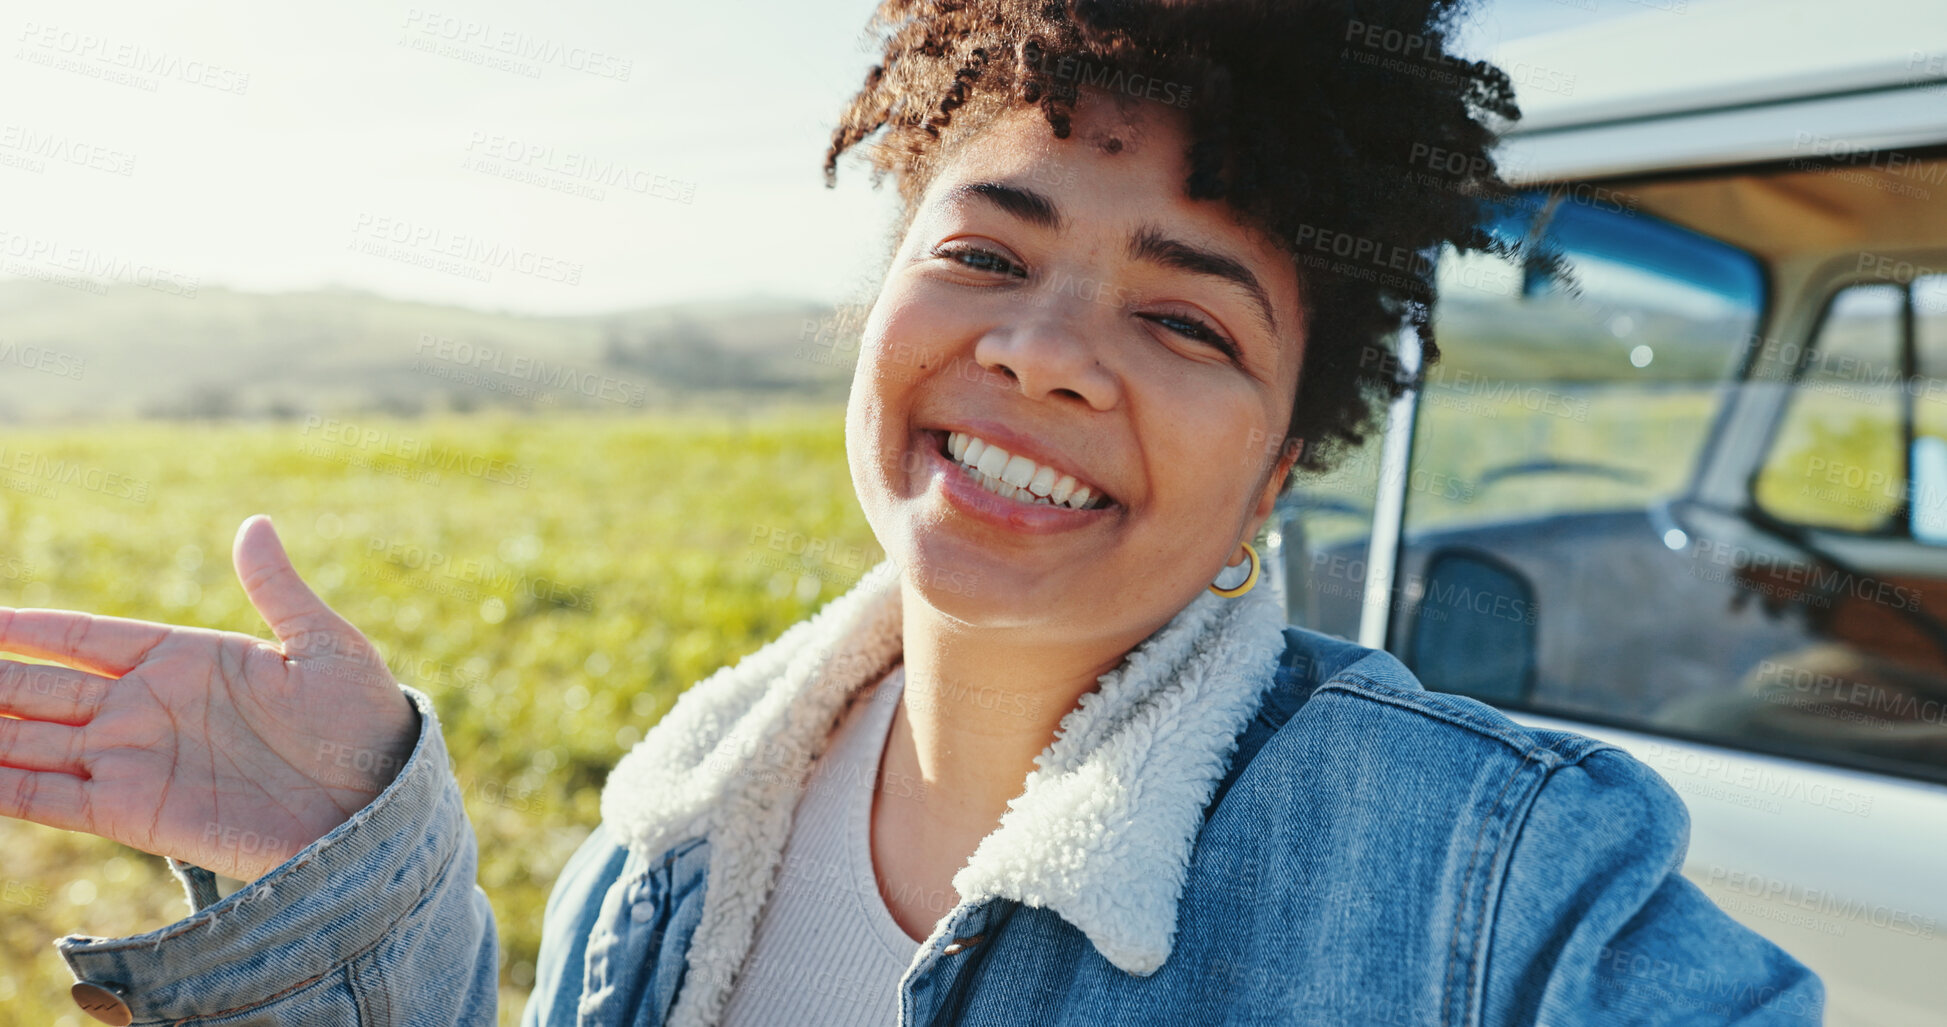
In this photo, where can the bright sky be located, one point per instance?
(621, 155)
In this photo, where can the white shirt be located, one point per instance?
(828, 952)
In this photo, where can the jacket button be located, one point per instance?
(642, 912)
(102, 1004)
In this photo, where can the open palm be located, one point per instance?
(217, 748)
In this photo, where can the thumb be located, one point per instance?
(282, 598)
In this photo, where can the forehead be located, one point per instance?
(1126, 151)
(1115, 136)
(1124, 162)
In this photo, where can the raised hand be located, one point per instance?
(217, 748)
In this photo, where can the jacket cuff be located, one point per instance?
(199, 885)
(293, 927)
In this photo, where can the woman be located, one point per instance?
(1058, 760)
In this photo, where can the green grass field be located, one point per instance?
(556, 600)
(553, 621)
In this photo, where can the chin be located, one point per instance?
(967, 587)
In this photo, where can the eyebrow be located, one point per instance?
(1147, 243)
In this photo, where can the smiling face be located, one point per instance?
(1063, 301)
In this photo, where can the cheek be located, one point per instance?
(1210, 446)
(892, 366)
(905, 339)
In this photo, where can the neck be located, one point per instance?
(979, 705)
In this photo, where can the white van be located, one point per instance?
(1699, 509)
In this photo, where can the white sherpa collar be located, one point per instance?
(1101, 835)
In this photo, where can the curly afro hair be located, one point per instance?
(1344, 130)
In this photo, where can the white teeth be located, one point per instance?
(1019, 471)
(1018, 477)
(1001, 488)
(1044, 479)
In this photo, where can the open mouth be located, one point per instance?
(1016, 477)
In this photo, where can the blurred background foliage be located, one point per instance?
(552, 623)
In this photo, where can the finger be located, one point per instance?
(295, 614)
(43, 692)
(38, 745)
(57, 800)
(111, 646)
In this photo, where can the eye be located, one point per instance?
(979, 259)
(1196, 328)
(1189, 326)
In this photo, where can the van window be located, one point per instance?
(1321, 528)
(1548, 401)
(1561, 553)
(1557, 417)
(1838, 460)
(1929, 390)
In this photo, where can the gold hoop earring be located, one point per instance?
(1250, 579)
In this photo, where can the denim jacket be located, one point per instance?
(1244, 823)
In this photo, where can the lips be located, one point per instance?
(1013, 466)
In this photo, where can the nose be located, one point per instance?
(1050, 349)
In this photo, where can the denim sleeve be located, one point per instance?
(1597, 926)
(380, 921)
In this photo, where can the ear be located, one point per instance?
(1267, 499)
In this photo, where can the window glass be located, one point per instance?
(1603, 522)
(1837, 459)
(1551, 401)
(1322, 526)
(1928, 463)
(1558, 416)
(1930, 323)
